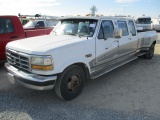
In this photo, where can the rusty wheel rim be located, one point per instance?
(73, 83)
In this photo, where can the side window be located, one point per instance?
(6, 26)
(40, 24)
(106, 30)
(100, 34)
(123, 25)
(132, 28)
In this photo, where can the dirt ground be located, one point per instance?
(133, 89)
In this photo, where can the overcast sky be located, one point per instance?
(80, 7)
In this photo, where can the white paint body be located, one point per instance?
(67, 50)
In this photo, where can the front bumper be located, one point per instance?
(32, 81)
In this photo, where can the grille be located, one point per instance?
(17, 59)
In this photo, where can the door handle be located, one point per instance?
(12, 37)
(129, 39)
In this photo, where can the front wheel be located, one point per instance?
(149, 54)
(70, 83)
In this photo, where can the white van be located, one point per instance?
(144, 22)
(156, 24)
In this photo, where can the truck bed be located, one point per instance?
(145, 38)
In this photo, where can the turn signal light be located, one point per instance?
(40, 67)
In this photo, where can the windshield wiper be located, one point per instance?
(84, 35)
(68, 33)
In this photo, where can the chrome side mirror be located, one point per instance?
(117, 33)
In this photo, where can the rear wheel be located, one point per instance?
(149, 54)
(70, 83)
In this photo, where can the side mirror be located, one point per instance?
(117, 33)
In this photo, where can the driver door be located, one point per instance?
(106, 48)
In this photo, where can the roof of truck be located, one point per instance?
(2, 16)
(144, 17)
(96, 18)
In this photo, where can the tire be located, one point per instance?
(142, 56)
(149, 54)
(70, 83)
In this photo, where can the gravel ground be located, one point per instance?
(130, 92)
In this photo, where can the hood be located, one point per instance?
(39, 45)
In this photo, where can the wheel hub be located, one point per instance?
(73, 83)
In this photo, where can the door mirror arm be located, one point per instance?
(105, 38)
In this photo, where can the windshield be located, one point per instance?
(144, 21)
(30, 24)
(81, 27)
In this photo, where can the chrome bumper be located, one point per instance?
(29, 80)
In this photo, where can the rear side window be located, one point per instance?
(132, 28)
(123, 25)
(6, 26)
(40, 24)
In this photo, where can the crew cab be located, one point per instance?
(11, 29)
(79, 48)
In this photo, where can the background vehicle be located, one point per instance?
(78, 48)
(156, 24)
(40, 24)
(144, 22)
(11, 29)
(24, 20)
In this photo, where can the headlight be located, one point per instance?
(41, 63)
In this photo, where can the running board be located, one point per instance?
(140, 53)
(108, 68)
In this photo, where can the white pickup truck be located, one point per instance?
(79, 48)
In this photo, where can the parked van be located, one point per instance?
(156, 24)
(144, 22)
